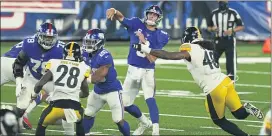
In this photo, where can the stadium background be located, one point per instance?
(180, 101)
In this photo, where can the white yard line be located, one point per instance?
(255, 126)
(166, 115)
(209, 127)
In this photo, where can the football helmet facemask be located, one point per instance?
(153, 9)
(47, 35)
(72, 52)
(93, 41)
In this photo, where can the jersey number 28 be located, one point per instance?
(72, 79)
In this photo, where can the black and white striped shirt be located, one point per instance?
(224, 21)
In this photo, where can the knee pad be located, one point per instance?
(240, 113)
(89, 112)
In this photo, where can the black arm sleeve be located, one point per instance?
(19, 64)
(210, 21)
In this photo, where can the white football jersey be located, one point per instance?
(67, 77)
(205, 71)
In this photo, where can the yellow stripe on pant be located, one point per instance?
(51, 114)
(223, 95)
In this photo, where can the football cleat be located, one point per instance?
(26, 123)
(142, 127)
(251, 109)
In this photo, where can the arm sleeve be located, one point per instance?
(238, 20)
(128, 22)
(210, 21)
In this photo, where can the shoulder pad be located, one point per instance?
(185, 47)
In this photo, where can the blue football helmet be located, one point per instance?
(47, 35)
(93, 40)
(153, 9)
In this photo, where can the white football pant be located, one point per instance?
(23, 100)
(114, 99)
(6, 70)
(136, 78)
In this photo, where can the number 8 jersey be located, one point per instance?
(67, 77)
(205, 71)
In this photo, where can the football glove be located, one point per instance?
(142, 47)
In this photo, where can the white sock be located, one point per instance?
(68, 128)
(143, 119)
(156, 126)
(31, 106)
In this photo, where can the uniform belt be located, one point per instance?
(225, 37)
(66, 104)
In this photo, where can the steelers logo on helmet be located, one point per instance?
(72, 52)
(191, 34)
(153, 9)
(47, 35)
(93, 41)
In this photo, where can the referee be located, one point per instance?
(225, 21)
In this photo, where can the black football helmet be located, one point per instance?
(9, 121)
(191, 34)
(72, 52)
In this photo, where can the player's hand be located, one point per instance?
(110, 13)
(214, 29)
(228, 32)
(141, 36)
(34, 96)
(19, 86)
(142, 47)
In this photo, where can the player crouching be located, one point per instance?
(70, 84)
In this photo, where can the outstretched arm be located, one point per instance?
(45, 78)
(170, 55)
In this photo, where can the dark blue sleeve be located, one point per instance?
(105, 59)
(129, 22)
(14, 51)
(163, 39)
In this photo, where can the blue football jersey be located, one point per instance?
(158, 39)
(14, 51)
(38, 57)
(111, 83)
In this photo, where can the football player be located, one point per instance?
(141, 67)
(7, 61)
(106, 85)
(266, 128)
(218, 87)
(70, 84)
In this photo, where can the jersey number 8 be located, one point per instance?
(73, 74)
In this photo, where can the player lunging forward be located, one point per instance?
(218, 87)
(106, 85)
(141, 66)
(70, 84)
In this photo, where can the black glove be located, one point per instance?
(137, 46)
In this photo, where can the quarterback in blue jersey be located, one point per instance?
(141, 65)
(36, 51)
(106, 85)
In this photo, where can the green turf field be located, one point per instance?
(180, 100)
